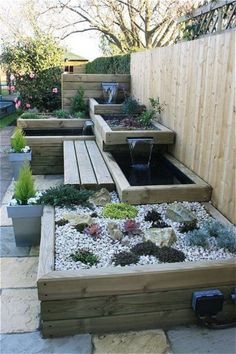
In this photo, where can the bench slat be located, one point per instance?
(87, 176)
(71, 173)
(102, 173)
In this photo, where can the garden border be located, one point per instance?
(120, 299)
(119, 137)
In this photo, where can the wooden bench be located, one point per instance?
(84, 165)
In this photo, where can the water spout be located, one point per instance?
(140, 152)
(109, 91)
(88, 128)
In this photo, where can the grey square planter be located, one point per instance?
(17, 159)
(26, 221)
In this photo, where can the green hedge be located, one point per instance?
(118, 64)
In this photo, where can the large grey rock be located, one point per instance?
(20, 310)
(179, 213)
(161, 237)
(101, 197)
(32, 343)
(148, 342)
(78, 219)
(114, 232)
(19, 272)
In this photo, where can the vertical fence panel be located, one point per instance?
(196, 80)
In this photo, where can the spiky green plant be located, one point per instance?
(24, 187)
(78, 104)
(18, 141)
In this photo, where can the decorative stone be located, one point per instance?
(20, 310)
(161, 237)
(147, 342)
(78, 219)
(179, 213)
(101, 197)
(114, 232)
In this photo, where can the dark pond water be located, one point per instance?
(55, 132)
(160, 172)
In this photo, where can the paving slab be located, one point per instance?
(31, 343)
(197, 340)
(4, 219)
(143, 342)
(43, 182)
(18, 272)
(8, 245)
(20, 310)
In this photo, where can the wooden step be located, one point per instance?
(84, 165)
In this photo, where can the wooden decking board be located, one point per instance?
(87, 175)
(84, 165)
(102, 173)
(71, 173)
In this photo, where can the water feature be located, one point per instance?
(140, 152)
(110, 90)
(88, 128)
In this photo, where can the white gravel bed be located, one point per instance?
(68, 240)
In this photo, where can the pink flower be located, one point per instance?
(15, 99)
(18, 104)
(31, 75)
(28, 105)
(12, 88)
(55, 90)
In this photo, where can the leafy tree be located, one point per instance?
(36, 64)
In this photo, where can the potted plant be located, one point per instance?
(19, 152)
(25, 210)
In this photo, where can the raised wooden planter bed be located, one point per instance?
(47, 151)
(121, 299)
(107, 136)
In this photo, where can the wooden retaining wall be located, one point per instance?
(91, 83)
(120, 299)
(196, 81)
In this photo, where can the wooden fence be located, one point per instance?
(196, 81)
(91, 83)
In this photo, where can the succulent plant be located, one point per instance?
(131, 227)
(170, 255)
(93, 230)
(80, 227)
(61, 222)
(188, 226)
(84, 256)
(147, 248)
(152, 215)
(125, 258)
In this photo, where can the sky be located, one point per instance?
(85, 44)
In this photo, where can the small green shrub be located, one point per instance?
(147, 248)
(170, 255)
(79, 115)
(30, 115)
(198, 238)
(65, 195)
(60, 113)
(78, 104)
(130, 106)
(119, 211)
(24, 187)
(146, 118)
(18, 141)
(156, 105)
(125, 258)
(61, 222)
(85, 256)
